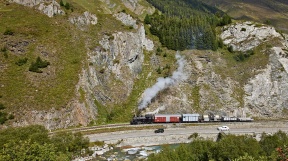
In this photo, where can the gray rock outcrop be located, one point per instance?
(126, 19)
(84, 20)
(48, 7)
(245, 36)
(267, 92)
(113, 68)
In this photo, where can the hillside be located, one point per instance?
(274, 12)
(80, 63)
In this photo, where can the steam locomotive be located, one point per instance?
(185, 118)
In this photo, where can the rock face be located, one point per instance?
(84, 20)
(267, 93)
(126, 19)
(113, 67)
(245, 36)
(48, 7)
(75, 114)
(206, 91)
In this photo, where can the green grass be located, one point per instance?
(56, 85)
(242, 71)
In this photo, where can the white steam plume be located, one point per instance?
(163, 83)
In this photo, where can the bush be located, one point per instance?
(3, 117)
(34, 67)
(193, 136)
(102, 70)
(61, 3)
(21, 62)
(67, 6)
(11, 117)
(2, 107)
(8, 32)
(220, 43)
(243, 29)
(4, 49)
(230, 49)
(159, 71)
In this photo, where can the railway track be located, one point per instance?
(91, 128)
(127, 126)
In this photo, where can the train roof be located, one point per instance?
(159, 115)
(191, 114)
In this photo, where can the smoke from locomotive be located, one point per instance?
(163, 83)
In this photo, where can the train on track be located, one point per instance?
(185, 118)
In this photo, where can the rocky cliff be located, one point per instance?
(122, 63)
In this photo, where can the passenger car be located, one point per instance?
(223, 128)
(159, 131)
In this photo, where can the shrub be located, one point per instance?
(116, 61)
(220, 43)
(159, 70)
(102, 70)
(4, 49)
(21, 62)
(193, 136)
(230, 49)
(3, 117)
(243, 29)
(2, 107)
(167, 66)
(8, 32)
(147, 19)
(34, 67)
(6, 55)
(11, 117)
(41, 64)
(67, 6)
(61, 3)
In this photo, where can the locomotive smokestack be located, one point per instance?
(163, 83)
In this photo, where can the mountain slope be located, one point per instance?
(97, 58)
(256, 10)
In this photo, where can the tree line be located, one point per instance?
(186, 24)
(33, 143)
(229, 147)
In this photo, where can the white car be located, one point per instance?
(223, 128)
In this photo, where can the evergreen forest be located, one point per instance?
(186, 24)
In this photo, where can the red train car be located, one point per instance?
(166, 118)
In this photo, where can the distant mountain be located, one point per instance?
(274, 12)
